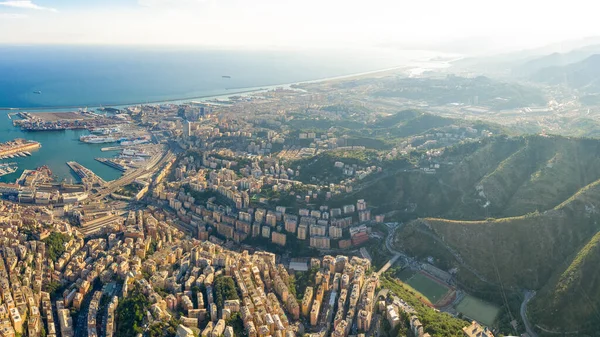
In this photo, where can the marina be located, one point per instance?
(18, 147)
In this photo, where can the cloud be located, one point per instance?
(171, 3)
(12, 16)
(24, 4)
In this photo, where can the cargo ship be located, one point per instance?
(14, 147)
(94, 139)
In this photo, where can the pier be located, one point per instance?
(113, 164)
(18, 146)
(85, 174)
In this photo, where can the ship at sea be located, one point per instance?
(94, 139)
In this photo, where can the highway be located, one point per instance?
(397, 255)
(128, 178)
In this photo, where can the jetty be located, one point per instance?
(85, 174)
(112, 163)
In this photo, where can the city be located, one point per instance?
(218, 227)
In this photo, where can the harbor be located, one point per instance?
(72, 137)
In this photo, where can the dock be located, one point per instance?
(23, 176)
(113, 164)
(84, 173)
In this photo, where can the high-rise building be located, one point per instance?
(187, 129)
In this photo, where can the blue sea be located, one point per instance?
(93, 76)
(110, 76)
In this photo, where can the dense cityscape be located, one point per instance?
(269, 168)
(217, 227)
(383, 204)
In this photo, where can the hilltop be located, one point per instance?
(555, 59)
(493, 177)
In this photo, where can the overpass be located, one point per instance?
(128, 178)
(397, 255)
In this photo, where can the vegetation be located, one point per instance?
(571, 299)
(379, 256)
(303, 280)
(55, 245)
(163, 329)
(130, 190)
(438, 324)
(55, 288)
(130, 314)
(224, 289)
(534, 197)
(201, 198)
(322, 166)
(236, 322)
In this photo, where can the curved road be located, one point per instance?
(528, 296)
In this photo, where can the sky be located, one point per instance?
(470, 24)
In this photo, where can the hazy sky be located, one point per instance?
(307, 23)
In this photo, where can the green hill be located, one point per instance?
(523, 252)
(496, 177)
(510, 213)
(571, 300)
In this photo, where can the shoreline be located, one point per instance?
(209, 97)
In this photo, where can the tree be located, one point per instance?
(55, 245)
(224, 290)
(130, 314)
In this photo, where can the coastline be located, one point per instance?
(414, 64)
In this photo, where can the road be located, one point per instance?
(133, 175)
(528, 296)
(397, 255)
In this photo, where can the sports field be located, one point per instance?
(478, 310)
(431, 289)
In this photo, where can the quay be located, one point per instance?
(84, 173)
(113, 164)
